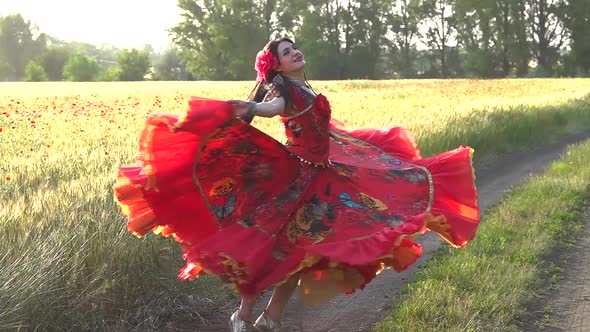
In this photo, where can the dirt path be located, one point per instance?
(360, 311)
(570, 303)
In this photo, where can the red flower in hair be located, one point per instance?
(265, 62)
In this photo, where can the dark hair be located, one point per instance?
(263, 87)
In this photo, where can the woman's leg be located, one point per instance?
(246, 308)
(241, 319)
(280, 298)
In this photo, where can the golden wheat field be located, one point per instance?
(66, 258)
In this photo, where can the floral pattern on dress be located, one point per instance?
(254, 211)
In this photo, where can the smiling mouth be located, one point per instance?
(297, 59)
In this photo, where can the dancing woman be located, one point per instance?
(327, 210)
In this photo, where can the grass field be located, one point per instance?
(66, 258)
(489, 285)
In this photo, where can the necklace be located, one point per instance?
(303, 85)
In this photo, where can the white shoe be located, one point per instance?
(238, 325)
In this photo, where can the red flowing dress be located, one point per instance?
(333, 206)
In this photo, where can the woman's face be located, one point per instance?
(290, 58)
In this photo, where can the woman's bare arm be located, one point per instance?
(266, 109)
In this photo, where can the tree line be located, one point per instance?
(342, 39)
(26, 54)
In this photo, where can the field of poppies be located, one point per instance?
(66, 258)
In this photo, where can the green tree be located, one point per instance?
(547, 31)
(170, 67)
(404, 20)
(105, 55)
(35, 72)
(6, 72)
(578, 22)
(219, 39)
(368, 31)
(324, 59)
(441, 34)
(342, 39)
(133, 65)
(475, 24)
(520, 44)
(53, 60)
(81, 68)
(17, 46)
(112, 74)
(512, 45)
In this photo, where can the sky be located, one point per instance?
(122, 23)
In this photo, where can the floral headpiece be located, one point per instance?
(265, 63)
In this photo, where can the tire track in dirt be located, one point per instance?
(570, 302)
